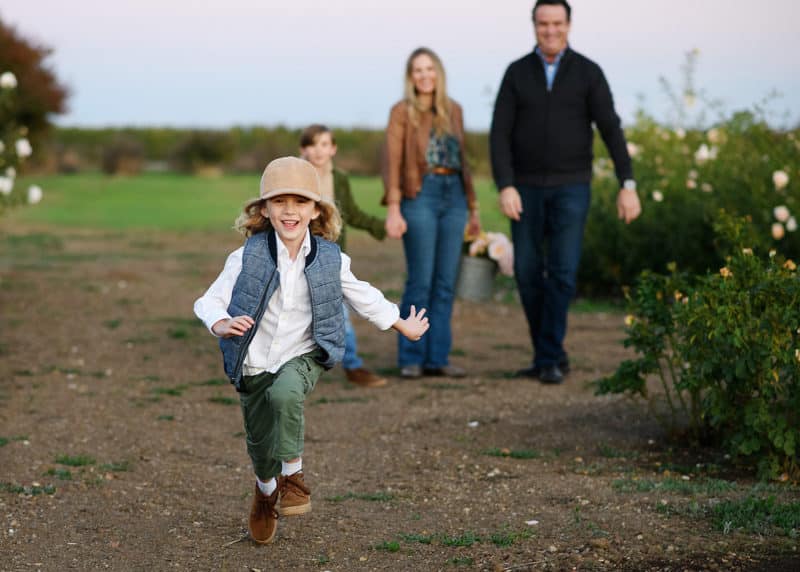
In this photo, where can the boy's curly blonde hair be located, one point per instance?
(327, 225)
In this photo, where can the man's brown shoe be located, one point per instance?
(364, 377)
(263, 517)
(295, 495)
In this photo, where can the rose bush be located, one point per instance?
(724, 348)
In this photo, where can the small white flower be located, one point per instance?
(780, 179)
(633, 149)
(680, 132)
(6, 185)
(714, 136)
(34, 194)
(706, 187)
(11, 173)
(691, 184)
(791, 224)
(705, 153)
(693, 174)
(8, 80)
(777, 230)
(24, 148)
(472, 424)
(658, 196)
(781, 213)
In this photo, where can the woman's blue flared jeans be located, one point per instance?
(436, 219)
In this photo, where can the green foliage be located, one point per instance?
(202, 149)
(123, 155)
(513, 453)
(726, 350)
(757, 515)
(686, 173)
(40, 93)
(75, 461)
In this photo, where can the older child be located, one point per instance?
(318, 146)
(277, 309)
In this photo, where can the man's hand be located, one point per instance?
(628, 205)
(510, 202)
(395, 223)
(230, 327)
(414, 326)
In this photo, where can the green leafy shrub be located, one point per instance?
(200, 150)
(726, 349)
(124, 155)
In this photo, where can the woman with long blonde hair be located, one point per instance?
(428, 192)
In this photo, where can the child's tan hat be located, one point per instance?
(290, 176)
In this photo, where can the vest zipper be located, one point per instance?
(252, 332)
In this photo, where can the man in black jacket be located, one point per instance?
(541, 149)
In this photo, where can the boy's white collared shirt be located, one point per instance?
(285, 329)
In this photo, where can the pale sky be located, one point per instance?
(267, 62)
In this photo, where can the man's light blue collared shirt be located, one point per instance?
(550, 69)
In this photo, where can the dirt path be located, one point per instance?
(122, 444)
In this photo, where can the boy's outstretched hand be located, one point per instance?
(230, 327)
(414, 326)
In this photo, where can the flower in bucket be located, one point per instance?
(494, 246)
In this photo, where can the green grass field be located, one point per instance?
(169, 201)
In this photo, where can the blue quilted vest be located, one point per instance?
(257, 283)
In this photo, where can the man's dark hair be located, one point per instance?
(563, 3)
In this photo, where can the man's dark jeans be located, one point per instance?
(547, 250)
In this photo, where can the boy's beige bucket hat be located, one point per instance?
(290, 176)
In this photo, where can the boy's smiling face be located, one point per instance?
(321, 152)
(290, 216)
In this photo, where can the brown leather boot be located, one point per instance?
(295, 495)
(263, 517)
(364, 377)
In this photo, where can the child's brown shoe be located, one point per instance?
(295, 495)
(263, 517)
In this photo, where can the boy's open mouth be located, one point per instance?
(290, 224)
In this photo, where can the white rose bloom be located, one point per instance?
(24, 148)
(791, 224)
(780, 179)
(706, 187)
(680, 132)
(8, 80)
(11, 173)
(777, 230)
(658, 196)
(34, 194)
(703, 154)
(691, 184)
(781, 213)
(6, 185)
(714, 136)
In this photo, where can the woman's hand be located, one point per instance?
(230, 327)
(414, 326)
(395, 223)
(474, 223)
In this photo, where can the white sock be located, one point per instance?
(267, 488)
(291, 468)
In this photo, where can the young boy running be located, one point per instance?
(277, 309)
